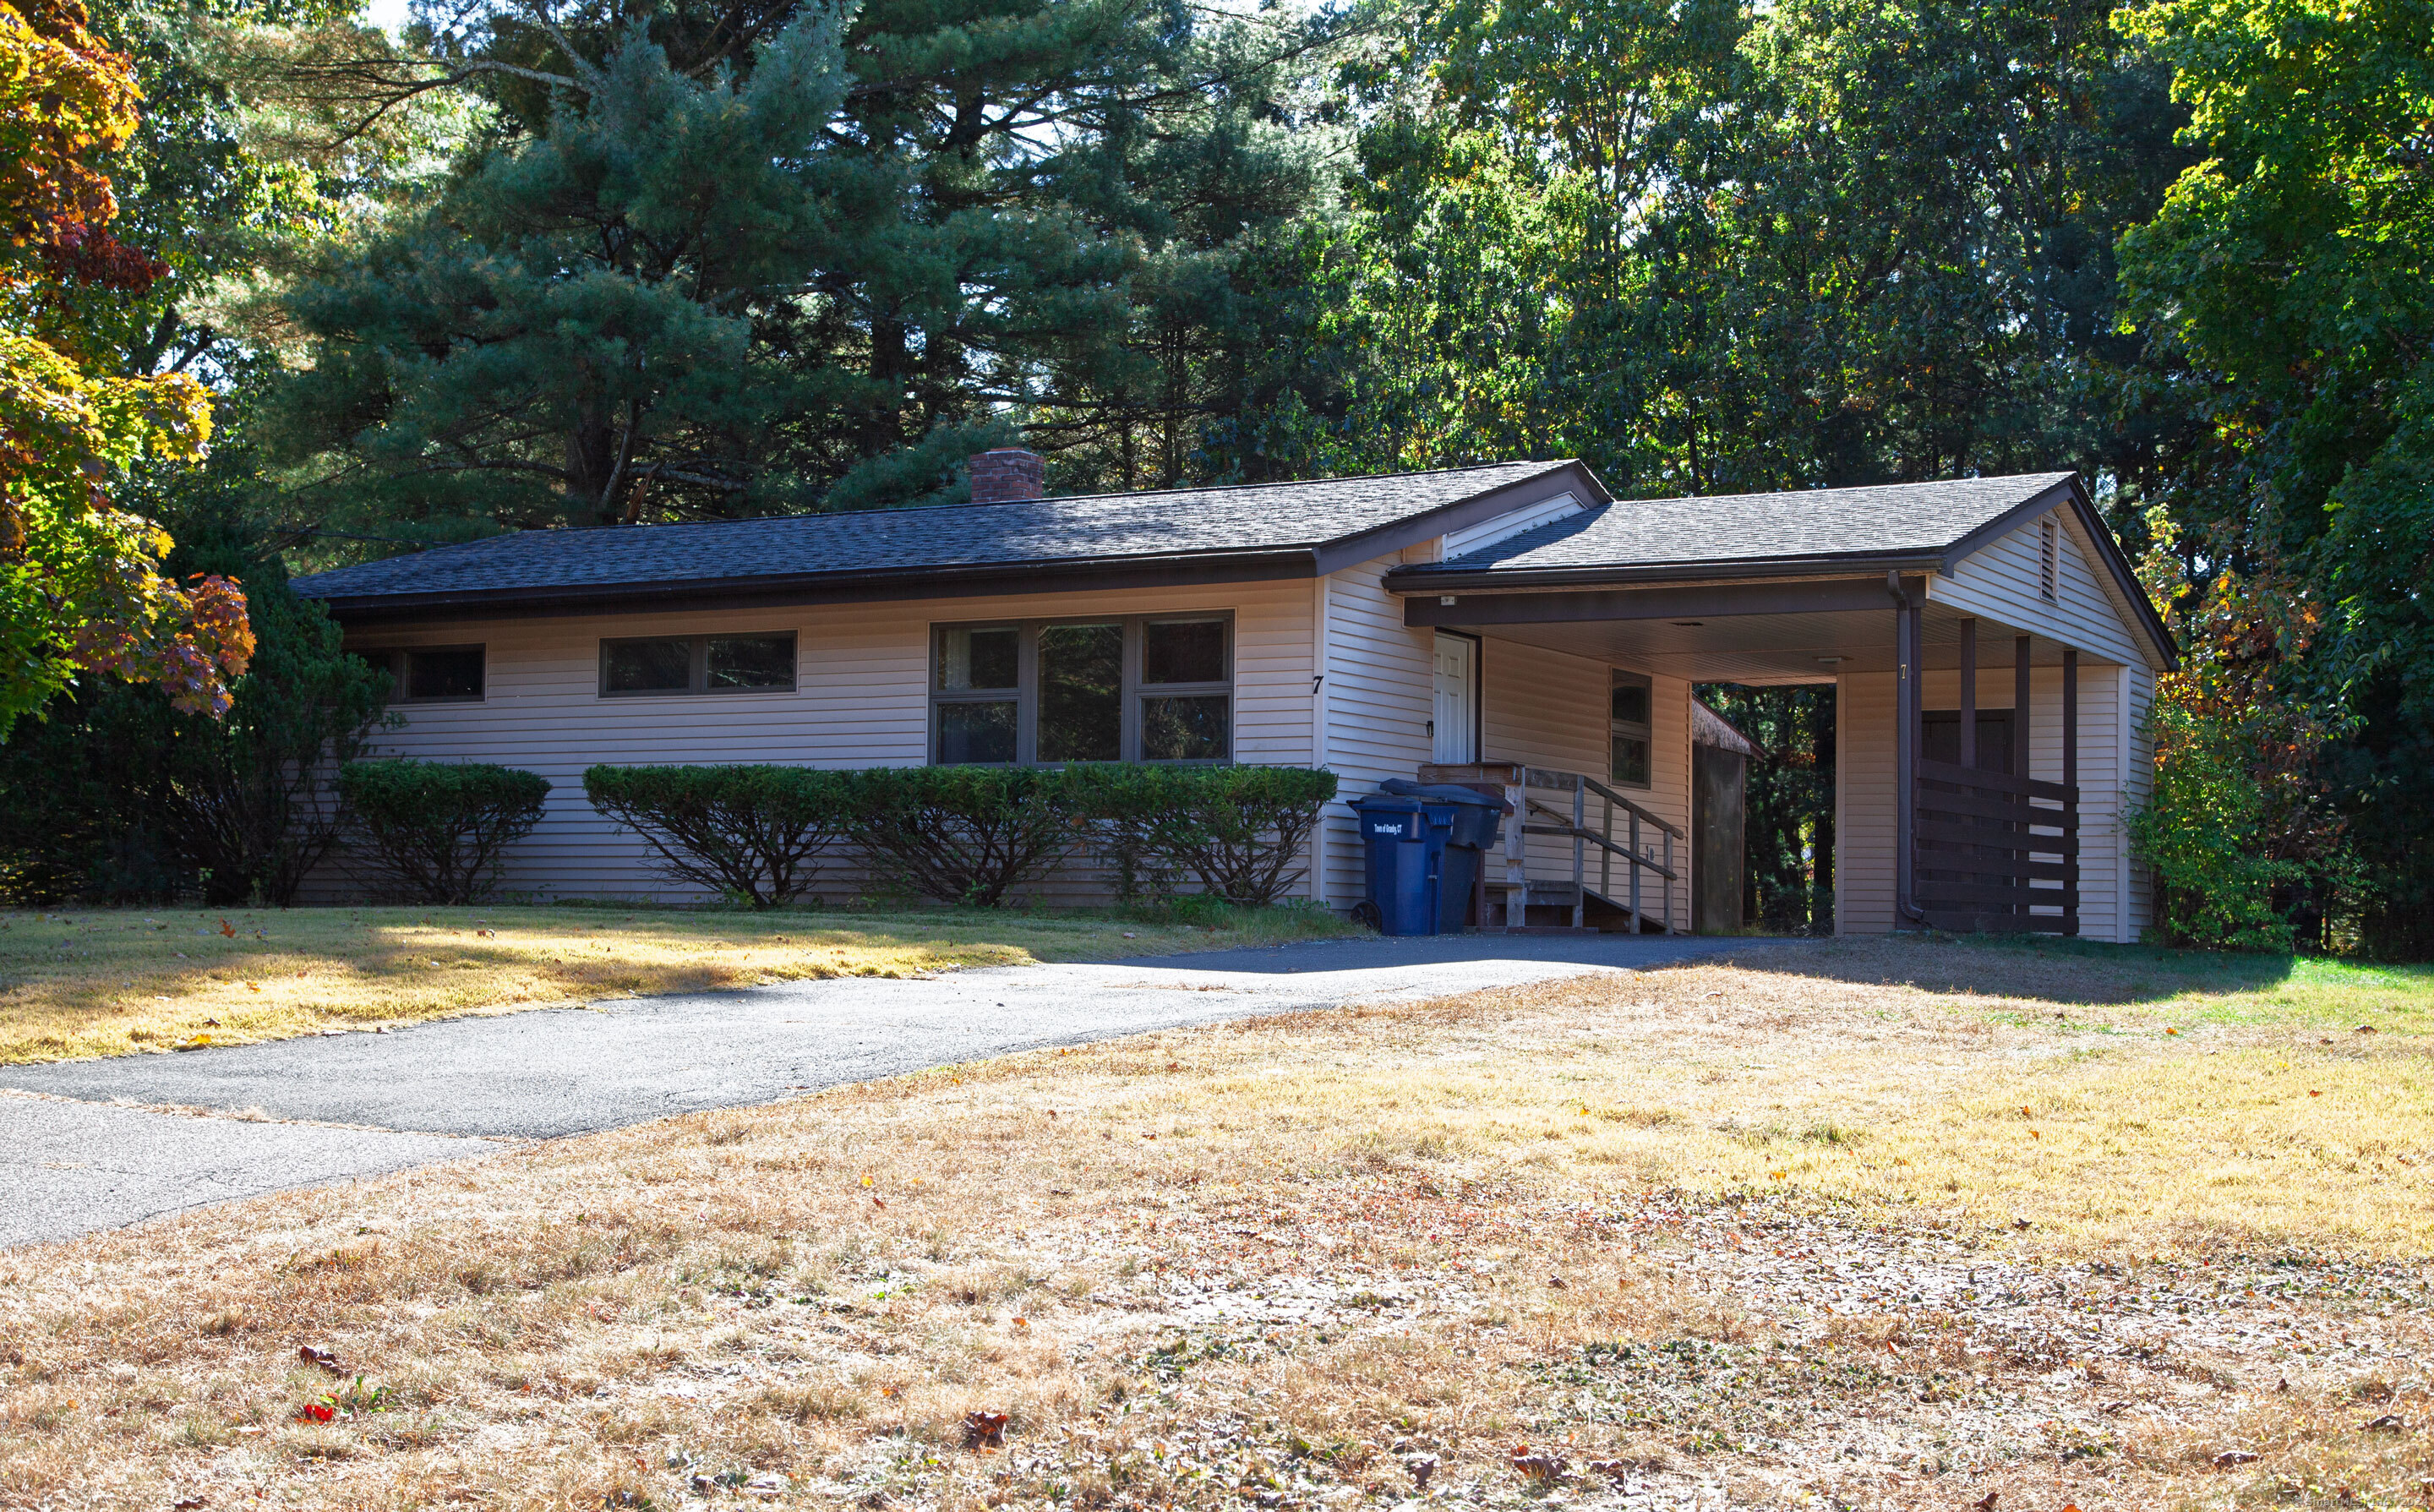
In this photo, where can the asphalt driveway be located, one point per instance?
(82, 1153)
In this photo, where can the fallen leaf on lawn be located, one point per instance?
(2390, 1423)
(983, 1430)
(255, 986)
(228, 928)
(1421, 1466)
(2233, 1456)
(2363, 1028)
(188, 1504)
(210, 1024)
(2171, 1031)
(1986, 1503)
(1540, 1467)
(2312, 1092)
(316, 1412)
(327, 1360)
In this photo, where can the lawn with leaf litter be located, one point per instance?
(1882, 1225)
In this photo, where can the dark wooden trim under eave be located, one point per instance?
(1711, 600)
(994, 580)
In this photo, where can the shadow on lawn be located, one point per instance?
(2042, 969)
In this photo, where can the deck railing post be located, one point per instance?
(1669, 882)
(1516, 865)
(1637, 923)
(1969, 693)
(1580, 852)
(1605, 852)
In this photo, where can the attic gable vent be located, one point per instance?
(2050, 557)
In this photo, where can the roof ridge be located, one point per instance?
(1053, 498)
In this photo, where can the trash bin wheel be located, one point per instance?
(1364, 914)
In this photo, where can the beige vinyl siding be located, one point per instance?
(1863, 803)
(2139, 885)
(861, 701)
(1550, 709)
(2004, 582)
(1379, 698)
(2111, 771)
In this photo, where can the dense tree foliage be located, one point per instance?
(614, 262)
(81, 590)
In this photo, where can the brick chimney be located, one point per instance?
(1008, 474)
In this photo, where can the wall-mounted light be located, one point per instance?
(1446, 599)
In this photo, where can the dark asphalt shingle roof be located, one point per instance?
(1095, 528)
(1887, 520)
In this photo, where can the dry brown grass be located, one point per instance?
(108, 982)
(1282, 1262)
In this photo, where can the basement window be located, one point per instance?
(681, 664)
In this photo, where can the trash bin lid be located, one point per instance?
(1400, 803)
(1442, 793)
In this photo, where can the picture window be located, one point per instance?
(682, 664)
(1048, 692)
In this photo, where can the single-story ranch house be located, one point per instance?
(1511, 625)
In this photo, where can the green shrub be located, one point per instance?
(751, 832)
(1240, 830)
(438, 830)
(2203, 832)
(967, 834)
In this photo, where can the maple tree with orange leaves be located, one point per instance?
(81, 585)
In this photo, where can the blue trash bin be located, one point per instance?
(1403, 849)
(1474, 824)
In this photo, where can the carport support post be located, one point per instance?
(1906, 735)
(2020, 708)
(1969, 693)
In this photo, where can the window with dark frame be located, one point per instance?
(1152, 688)
(664, 665)
(433, 674)
(1631, 731)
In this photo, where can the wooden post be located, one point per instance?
(1669, 882)
(1605, 852)
(1580, 852)
(1516, 865)
(1906, 738)
(2020, 708)
(1969, 693)
(1637, 923)
(2071, 789)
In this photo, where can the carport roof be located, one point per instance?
(1894, 524)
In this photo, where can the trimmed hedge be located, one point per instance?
(1240, 830)
(751, 832)
(969, 834)
(438, 829)
(972, 834)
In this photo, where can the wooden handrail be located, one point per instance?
(1563, 781)
(1565, 828)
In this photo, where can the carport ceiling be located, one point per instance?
(1768, 648)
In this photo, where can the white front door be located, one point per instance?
(1457, 712)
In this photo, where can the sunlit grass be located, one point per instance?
(106, 982)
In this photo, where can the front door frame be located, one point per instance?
(1478, 731)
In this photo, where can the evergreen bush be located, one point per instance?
(751, 832)
(435, 830)
(1240, 830)
(969, 834)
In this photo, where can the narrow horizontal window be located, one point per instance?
(444, 675)
(698, 664)
(754, 664)
(433, 674)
